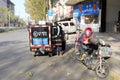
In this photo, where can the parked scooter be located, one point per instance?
(96, 59)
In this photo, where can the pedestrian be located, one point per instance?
(63, 39)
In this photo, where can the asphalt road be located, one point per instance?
(18, 63)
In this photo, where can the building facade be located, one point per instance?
(61, 11)
(10, 6)
(112, 14)
(101, 15)
(4, 5)
(87, 14)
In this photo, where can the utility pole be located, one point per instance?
(9, 14)
(9, 19)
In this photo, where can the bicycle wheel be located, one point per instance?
(102, 71)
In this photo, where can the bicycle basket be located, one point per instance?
(105, 51)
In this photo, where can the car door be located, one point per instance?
(72, 27)
(65, 27)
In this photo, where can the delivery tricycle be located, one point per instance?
(46, 39)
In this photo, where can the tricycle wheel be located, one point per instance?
(35, 54)
(50, 54)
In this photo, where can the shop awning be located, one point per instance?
(72, 2)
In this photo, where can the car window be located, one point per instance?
(71, 24)
(65, 24)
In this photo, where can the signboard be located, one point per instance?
(40, 41)
(76, 14)
(86, 9)
(40, 36)
(50, 14)
(90, 8)
(50, 17)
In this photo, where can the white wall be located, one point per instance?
(113, 6)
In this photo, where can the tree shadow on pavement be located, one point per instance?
(69, 47)
(6, 43)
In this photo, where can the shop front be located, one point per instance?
(88, 14)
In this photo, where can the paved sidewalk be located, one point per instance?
(112, 38)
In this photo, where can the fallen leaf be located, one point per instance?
(68, 73)
(62, 69)
(20, 72)
(50, 64)
(29, 74)
(55, 71)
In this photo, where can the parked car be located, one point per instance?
(68, 26)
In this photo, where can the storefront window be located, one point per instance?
(91, 19)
